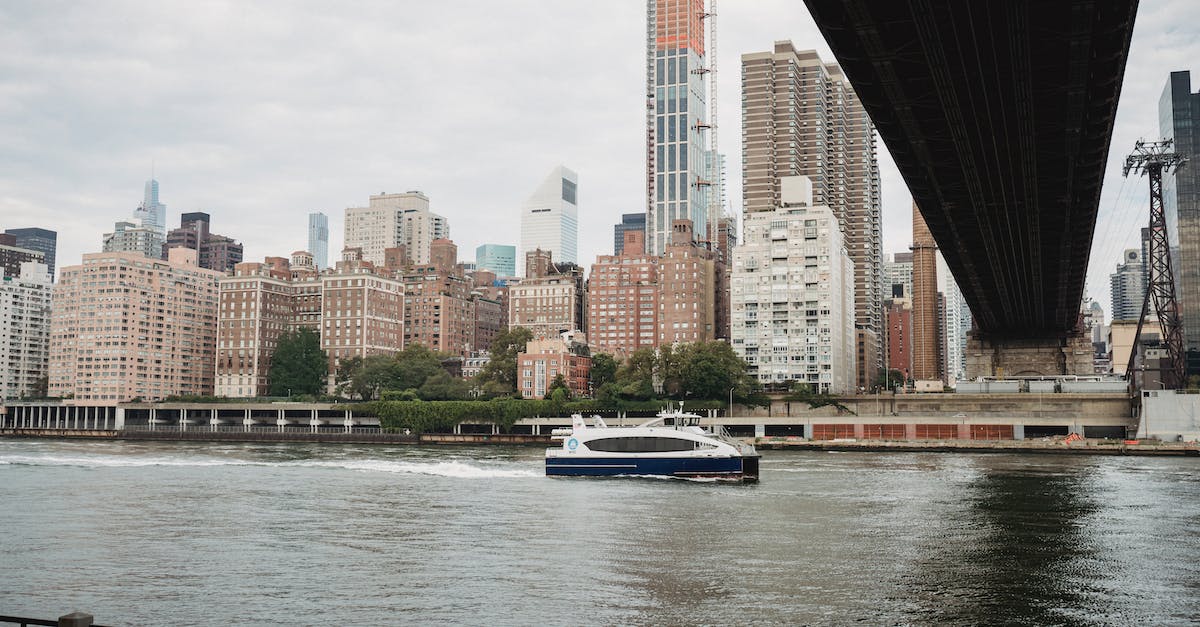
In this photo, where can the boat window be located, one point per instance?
(641, 445)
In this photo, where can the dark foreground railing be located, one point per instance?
(74, 619)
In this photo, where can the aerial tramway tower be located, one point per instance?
(1153, 158)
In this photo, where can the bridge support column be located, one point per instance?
(1029, 357)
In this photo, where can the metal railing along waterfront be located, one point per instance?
(74, 619)
(296, 428)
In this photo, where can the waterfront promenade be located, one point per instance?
(1094, 423)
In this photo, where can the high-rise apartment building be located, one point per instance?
(800, 117)
(622, 299)
(216, 252)
(498, 258)
(491, 317)
(146, 234)
(362, 312)
(629, 222)
(257, 306)
(1129, 287)
(128, 237)
(356, 311)
(677, 185)
(793, 294)
(955, 323)
(393, 221)
(44, 241)
(549, 300)
(898, 271)
(550, 217)
(24, 330)
(1179, 119)
(12, 256)
(318, 239)
(689, 289)
(439, 310)
(128, 326)
(899, 337)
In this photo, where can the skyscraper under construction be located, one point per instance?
(677, 178)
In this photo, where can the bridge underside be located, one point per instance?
(999, 116)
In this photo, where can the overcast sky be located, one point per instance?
(260, 112)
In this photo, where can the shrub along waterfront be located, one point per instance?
(435, 416)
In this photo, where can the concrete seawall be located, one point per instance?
(1048, 447)
(1037, 446)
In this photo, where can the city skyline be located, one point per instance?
(82, 149)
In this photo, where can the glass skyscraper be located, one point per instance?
(152, 213)
(1179, 119)
(676, 122)
(498, 258)
(41, 240)
(550, 218)
(318, 239)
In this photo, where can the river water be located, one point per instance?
(260, 534)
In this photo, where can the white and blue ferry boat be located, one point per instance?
(672, 444)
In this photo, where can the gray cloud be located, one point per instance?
(262, 112)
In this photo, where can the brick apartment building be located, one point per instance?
(623, 299)
(688, 288)
(355, 310)
(127, 326)
(545, 359)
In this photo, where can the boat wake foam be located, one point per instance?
(116, 462)
(454, 469)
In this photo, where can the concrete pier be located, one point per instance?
(994, 357)
(185, 417)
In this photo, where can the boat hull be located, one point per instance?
(724, 468)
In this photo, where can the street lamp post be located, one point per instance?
(729, 409)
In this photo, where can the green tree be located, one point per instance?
(441, 386)
(494, 389)
(604, 370)
(501, 369)
(414, 366)
(368, 377)
(635, 377)
(299, 366)
(711, 369)
(889, 379)
(345, 373)
(559, 383)
(669, 366)
(608, 394)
